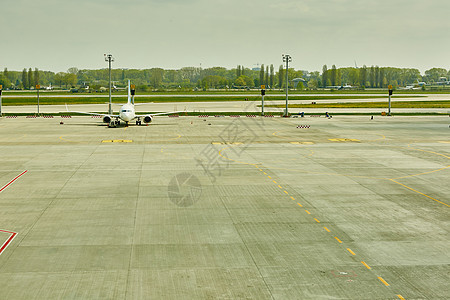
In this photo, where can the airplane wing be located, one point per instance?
(89, 113)
(136, 104)
(92, 114)
(160, 114)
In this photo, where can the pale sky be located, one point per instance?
(58, 34)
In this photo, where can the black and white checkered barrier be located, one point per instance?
(303, 126)
(11, 116)
(66, 116)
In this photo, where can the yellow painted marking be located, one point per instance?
(366, 265)
(340, 242)
(269, 176)
(260, 170)
(117, 141)
(274, 181)
(237, 143)
(292, 198)
(419, 192)
(286, 192)
(302, 143)
(280, 186)
(300, 205)
(316, 220)
(383, 281)
(326, 229)
(216, 143)
(307, 212)
(343, 140)
(265, 173)
(162, 150)
(400, 297)
(350, 250)
(444, 142)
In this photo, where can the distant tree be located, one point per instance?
(333, 75)
(338, 77)
(266, 77)
(271, 76)
(36, 76)
(313, 84)
(353, 76)
(381, 78)
(324, 76)
(363, 76)
(25, 79)
(377, 76)
(244, 80)
(70, 79)
(261, 74)
(59, 78)
(5, 73)
(238, 71)
(30, 78)
(280, 76)
(156, 77)
(240, 81)
(434, 74)
(372, 76)
(4, 81)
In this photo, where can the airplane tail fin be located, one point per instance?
(129, 92)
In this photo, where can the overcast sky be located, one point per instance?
(58, 34)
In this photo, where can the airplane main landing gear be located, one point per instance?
(138, 122)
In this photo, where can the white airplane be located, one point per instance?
(127, 113)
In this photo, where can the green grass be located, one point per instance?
(43, 100)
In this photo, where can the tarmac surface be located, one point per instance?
(225, 208)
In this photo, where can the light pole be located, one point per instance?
(109, 59)
(287, 59)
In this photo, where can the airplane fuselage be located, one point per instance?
(127, 112)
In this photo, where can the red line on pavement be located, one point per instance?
(8, 241)
(9, 183)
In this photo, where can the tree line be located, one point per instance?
(222, 78)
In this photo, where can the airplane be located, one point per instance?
(126, 114)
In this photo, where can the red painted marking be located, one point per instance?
(9, 183)
(8, 241)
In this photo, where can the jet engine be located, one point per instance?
(107, 119)
(148, 119)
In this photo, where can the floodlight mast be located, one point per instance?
(109, 58)
(287, 59)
